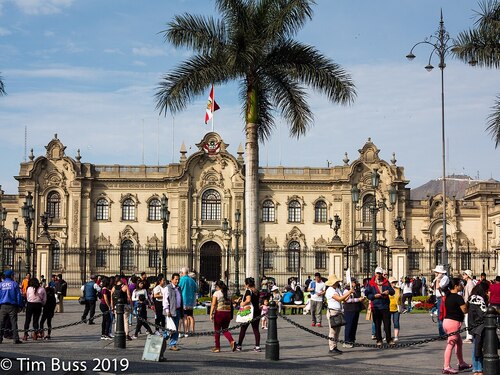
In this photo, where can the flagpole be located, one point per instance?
(213, 106)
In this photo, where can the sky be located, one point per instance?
(88, 71)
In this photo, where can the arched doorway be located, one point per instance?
(210, 261)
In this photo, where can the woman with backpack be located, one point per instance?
(221, 314)
(48, 311)
(36, 298)
(121, 292)
(105, 307)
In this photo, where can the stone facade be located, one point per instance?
(101, 209)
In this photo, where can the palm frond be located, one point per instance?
(2, 87)
(285, 17)
(479, 45)
(190, 79)
(310, 67)
(494, 122)
(198, 33)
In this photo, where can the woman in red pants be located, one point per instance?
(221, 313)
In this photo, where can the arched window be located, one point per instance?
(102, 209)
(210, 205)
(293, 256)
(154, 210)
(54, 204)
(128, 209)
(268, 211)
(294, 212)
(367, 209)
(320, 212)
(56, 255)
(127, 255)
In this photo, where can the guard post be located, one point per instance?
(491, 364)
(120, 338)
(272, 343)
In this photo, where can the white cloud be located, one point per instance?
(113, 51)
(48, 33)
(149, 51)
(42, 7)
(4, 31)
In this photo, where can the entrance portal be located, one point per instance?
(210, 261)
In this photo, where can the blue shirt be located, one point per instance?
(10, 293)
(188, 288)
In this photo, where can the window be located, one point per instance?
(56, 255)
(210, 206)
(128, 209)
(367, 209)
(320, 212)
(465, 261)
(54, 204)
(294, 211)
(102, 209)
(101, 257)
(268, 212)
(154, 210)
(293, 256)
(153, 259)
(268, 260)
(413, 260)
(320, 259)
(127, 256)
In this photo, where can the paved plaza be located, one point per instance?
(300, 351)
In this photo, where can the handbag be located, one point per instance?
(170, 324)
(337, 320)
(81, 300)
(244, 314)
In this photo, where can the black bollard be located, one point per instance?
(491, 364)
(272, 343)
(120, 338)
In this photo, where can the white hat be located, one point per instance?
(332, 280)
(439, 269)
(274, 288)
(468, 273)
(379, 270)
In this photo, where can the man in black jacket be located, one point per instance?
(61, 290)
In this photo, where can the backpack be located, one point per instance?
(442, 309)
(117, 294)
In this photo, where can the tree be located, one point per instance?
(481, 46)
(252, 43)
(2, 87)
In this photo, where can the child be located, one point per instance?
(264, 309)
(142, 312)
(48, 311)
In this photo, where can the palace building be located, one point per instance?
(108, 219)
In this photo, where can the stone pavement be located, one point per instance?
(300, 351)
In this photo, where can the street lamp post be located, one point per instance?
(15, 227)
(236, 232)
(165, 217)
(28, 212)
(3, 233)
(439, 43)
(374, 209)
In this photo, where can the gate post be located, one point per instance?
(400, 267)
(120, 338)
(336, 263)
(272, 343)
(491, 363)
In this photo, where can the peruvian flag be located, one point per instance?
(212, 106)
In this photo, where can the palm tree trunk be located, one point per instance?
(252, 200)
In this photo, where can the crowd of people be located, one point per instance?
(38, 299)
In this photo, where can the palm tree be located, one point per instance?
(252, 43)
(481, 46)
(2, 87)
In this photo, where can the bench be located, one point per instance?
(296, 309)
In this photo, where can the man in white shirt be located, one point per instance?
(469, 285)
(317, 289)
(439, 284)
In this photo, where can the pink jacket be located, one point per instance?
(39, 297)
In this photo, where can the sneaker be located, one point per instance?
(313, 324)
(186, 335)
(335, 351)
(467, 341)
(106, 337)
(134, 337)
(238, 348)
(215, 350)
(395, 339)
(318, 324)
(379, 344)
(347, 345)
(111, 335)
(174, 348)
(103, 337)
(464, 366)
(129, 338)
(449, 370)
(374, 337)
(391, 342)
(257, 349)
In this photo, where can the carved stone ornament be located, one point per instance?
(128, 233)
(270, 242)
(320, 242)
(102, 241)
(212, 177)
(212, 144)
(295, 235)
(55, 149)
